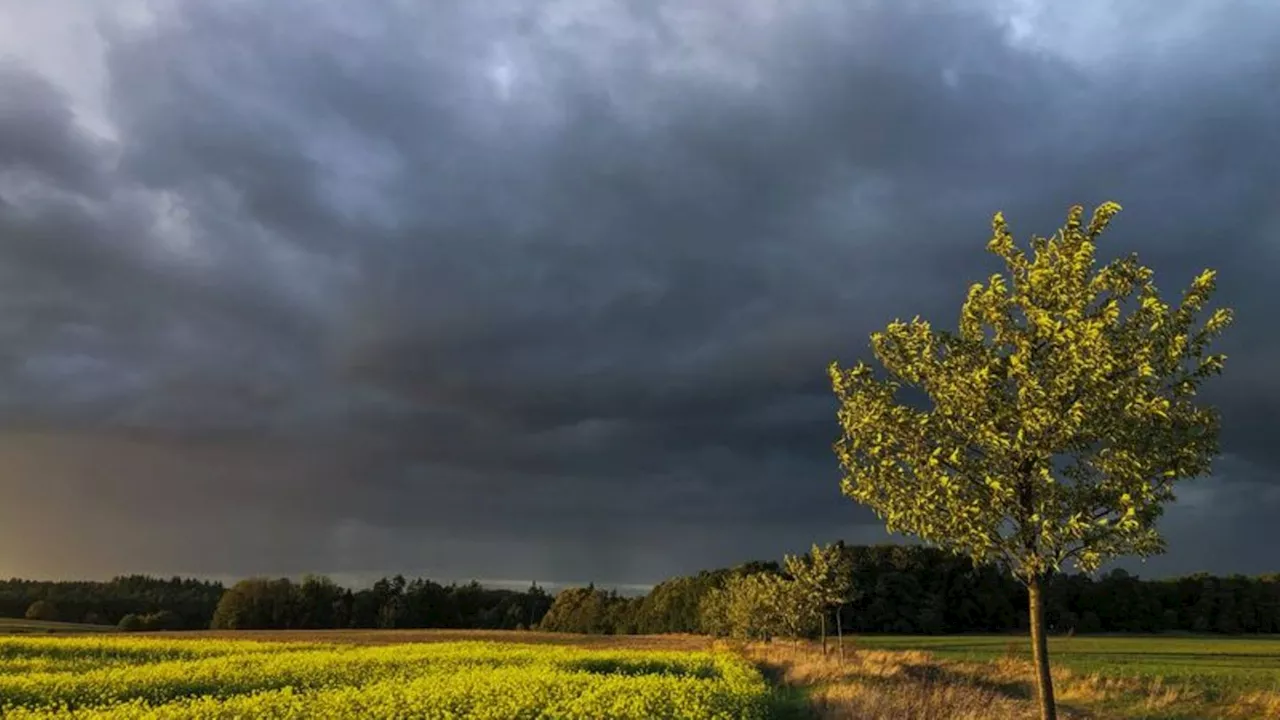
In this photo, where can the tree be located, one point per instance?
(590, 610)
(1057, 424)
(755, 606)
(672, 606)
(43, 610)
(789, 608)
(257, 604)
(317, 599)
(162, 620)
(130, 623)
(825, 578)
(713, 613)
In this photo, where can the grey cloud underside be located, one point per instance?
(329, 301)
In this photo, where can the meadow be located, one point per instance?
(129, 677)
(974, 677)
(1218, 664)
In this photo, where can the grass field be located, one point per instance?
(1228, 664)
(130, 677)
(978, 677)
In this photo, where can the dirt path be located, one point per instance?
(391, 637)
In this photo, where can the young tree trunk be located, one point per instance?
(840, 632)
(1040, 653)
(824, 632)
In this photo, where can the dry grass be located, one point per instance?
(1256, 705)
(902, 685)
(913, 685)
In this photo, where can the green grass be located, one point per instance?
(18, 626)
(1223, 664)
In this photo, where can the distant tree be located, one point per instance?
(365, 609)
(825, 580)
(391, 602)
(1058, 424)
(161, 620)
(257, 604)
(590, 610)
(1089, 622)
(713, 613)
(318, 602)
(43, 610)
(567, 612)
(747, 608)
(790, 609)
(130, 623)
(895, 604)
(622, 615)
(672, 606)
(536, 603)
(930, 618)
(756, 606)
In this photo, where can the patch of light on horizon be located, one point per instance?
(365, 579)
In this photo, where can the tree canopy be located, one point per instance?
(1059, 417)
(1058, 424)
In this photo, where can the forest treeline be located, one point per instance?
(892, 589)
(188, 603)
(316, 602)
(916, 589)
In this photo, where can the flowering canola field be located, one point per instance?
(94, 678)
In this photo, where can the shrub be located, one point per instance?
(130, 623)
(42, 610)
(163, 620)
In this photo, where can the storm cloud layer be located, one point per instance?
(546, 290)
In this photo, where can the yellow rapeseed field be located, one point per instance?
(116, 677)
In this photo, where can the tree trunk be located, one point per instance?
(840, 632)
(1040, 653)
(824, 632)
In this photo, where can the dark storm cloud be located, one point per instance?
(548, 290)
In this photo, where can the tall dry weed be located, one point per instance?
(913, 685)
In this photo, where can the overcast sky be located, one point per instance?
(547, 290)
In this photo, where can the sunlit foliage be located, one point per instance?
(1059, 417)
(1058, 422)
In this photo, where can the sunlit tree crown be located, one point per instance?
(1060, 417)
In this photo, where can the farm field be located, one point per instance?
(1220, 663)
(18, 626)
(976, 677)
(131, 677)
(500, 674)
